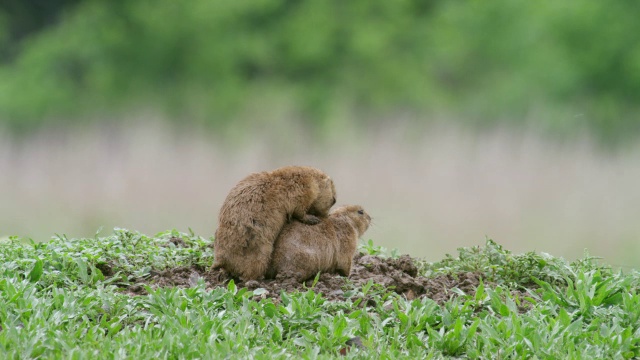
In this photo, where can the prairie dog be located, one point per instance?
(257, 208)
(301, 250)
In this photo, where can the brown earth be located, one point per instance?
(399, 275)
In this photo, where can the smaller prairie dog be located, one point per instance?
(301, 250)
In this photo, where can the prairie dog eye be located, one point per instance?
(361, 212)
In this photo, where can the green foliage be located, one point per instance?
(565, 66)
(501, 266)
(370, 248)
(132, 255)
(55, 304)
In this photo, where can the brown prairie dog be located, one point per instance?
(301, 250)
(257, 208)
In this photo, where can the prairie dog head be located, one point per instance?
(359, 218)
(326, 197)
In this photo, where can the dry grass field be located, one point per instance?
(429, 191)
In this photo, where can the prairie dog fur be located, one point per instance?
(257, 208)
(301, 250)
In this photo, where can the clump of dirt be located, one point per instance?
(399, 275)
(106, 269)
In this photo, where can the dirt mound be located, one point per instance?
(399, 275)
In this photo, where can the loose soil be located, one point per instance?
(399, 275)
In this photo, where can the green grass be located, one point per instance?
(56, 303)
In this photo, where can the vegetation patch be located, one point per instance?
(128, 295)
(481, 61)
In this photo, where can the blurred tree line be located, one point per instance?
(561, 66)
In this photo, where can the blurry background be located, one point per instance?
(447, 120)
